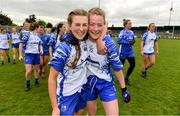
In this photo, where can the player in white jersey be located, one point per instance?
(60, 32)
(100, 78)
(4, 45)
(33, 49)
(148, 44)
(14, 36)
(68, 71)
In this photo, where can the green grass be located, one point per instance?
(160, 94)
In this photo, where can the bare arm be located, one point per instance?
(120, 77)
(20, 51)
(142, 45)
(41, 49)
(52, 90)
(125, 94)
(50, 52)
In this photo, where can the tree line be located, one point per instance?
(5, 20)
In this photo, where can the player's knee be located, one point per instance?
(153, 62)
(44, 64)
(2, 54)
(36, 70)
(91, 112)
(28, 72)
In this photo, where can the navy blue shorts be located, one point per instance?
(33, 59)
(126, 55)
(149, 54)
(99, 87)
(15, 45)
(126, 51)
(4, 48)
(70, 104)
(45, 53)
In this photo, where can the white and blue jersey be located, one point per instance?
(58, 40)
(32, 43)
(45, 40)
(109, 35)
(52, 41)
(22, 33)
(149, 39)
(100, 65)
(69, 80)
(4, 44)
(126, 39)
(100, 77)
(15, 38)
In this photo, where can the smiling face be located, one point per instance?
(96, 25)
(26, 25)
(79, 26)
(62, 29)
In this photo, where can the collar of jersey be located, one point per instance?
(70, 38)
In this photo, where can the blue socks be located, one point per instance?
(2, 62)
(28, 83)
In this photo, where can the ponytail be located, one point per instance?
(125, 21)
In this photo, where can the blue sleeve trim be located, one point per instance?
(60, 57)
(113, 55)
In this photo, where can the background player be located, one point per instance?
(33, 49)
(148, 43)
(126, 40)
(4, 45)
(14, 36)
(44, 57)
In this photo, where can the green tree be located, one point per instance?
(31, 18)
(49, 25)
(41, 23)
(5, 20)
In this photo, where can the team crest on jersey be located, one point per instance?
(63, 108)
(84, 47)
